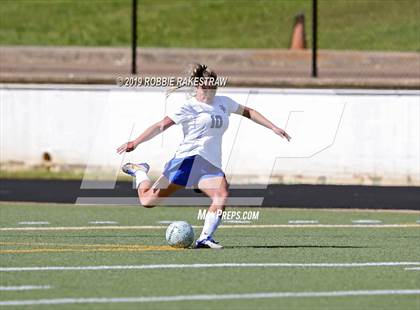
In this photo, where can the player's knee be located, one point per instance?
(223, 194)
(220, 197)
(148, 205)
(147, 202)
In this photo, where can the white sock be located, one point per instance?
(211, 223)
(140, 177)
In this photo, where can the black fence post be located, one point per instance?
(314, 37)
(134, 37)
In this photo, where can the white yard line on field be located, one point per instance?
(237, 222)
(303, 222)
(97, 300)
(412, 268)
(103, 222)
(340, 210)
(407, 225)
(25, 287)
(366, 222)
(217, 265)
(34, 223)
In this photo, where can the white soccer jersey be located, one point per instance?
(203, 126)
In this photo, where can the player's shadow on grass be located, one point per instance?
(296, 246)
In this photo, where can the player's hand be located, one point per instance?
(126, 147)
(282, 133)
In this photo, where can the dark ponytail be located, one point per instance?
(196, 71)
(202, 71)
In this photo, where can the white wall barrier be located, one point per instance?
(338, 136)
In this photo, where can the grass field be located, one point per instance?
(163, 278)
(345, 24)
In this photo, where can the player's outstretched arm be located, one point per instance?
(148, 134)
(258, 118)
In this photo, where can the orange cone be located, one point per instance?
(298, 35)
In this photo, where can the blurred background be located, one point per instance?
(262, 42)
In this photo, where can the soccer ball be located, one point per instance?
(180, 234)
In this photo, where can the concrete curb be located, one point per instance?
(243, 67)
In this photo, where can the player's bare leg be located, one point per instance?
(217, 189)
(150, 194)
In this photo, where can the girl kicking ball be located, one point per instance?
(197, 162)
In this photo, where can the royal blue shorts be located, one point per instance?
(188, 171)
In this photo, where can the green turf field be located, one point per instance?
(69, 239)
(343, 24)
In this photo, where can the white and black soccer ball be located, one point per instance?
(180, 234)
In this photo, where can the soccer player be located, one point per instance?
(197, 162)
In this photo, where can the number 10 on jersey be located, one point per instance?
(216, 121)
